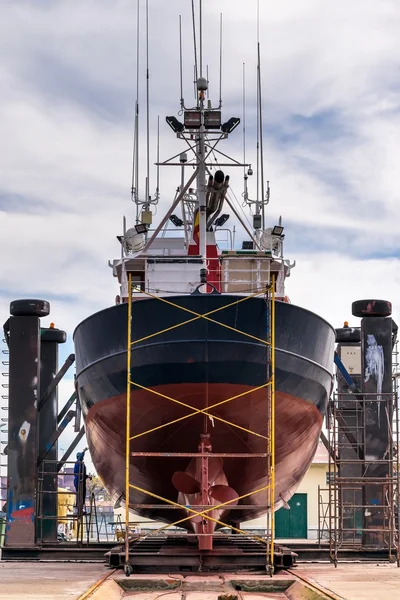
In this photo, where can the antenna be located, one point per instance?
(261, 138)
(135, 156)
(258, 148)
(258, 111)
(220, 60)
(181, 59)
(147, 109)
(201, 36)
(157, 195)
(196, 76)
(244, 116)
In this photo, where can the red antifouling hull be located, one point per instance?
(298, 425)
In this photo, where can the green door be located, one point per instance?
(292, 523)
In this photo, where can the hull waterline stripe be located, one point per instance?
(277, 350)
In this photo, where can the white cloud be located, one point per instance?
(333, 281)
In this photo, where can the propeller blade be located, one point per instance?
(223, 493)
(185, 483)
(214, 467)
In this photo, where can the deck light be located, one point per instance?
(176, 221)
(175, 125)
(221, 220)
(141, 228)
(230, 125)
(277, 230)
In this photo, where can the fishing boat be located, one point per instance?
(194, 304)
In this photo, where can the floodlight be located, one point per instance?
(175, 125)
(141, 228)
(176, 221)
(277, 230)
(221, 220)
(230, 125)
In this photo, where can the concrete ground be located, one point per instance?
(47, 580)
(368, 581)
(61, 581)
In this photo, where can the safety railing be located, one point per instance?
(238, 273)
(200, 511)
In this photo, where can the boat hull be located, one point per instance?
(195, 365)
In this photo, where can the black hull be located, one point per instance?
(202, 363)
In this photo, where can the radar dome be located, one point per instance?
(134, 242)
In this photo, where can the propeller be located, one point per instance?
(189, 485)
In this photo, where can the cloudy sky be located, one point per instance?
(331, 106)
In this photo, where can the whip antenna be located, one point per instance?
(196, 75)
(181, 58)
(220, 60)
(147, 109)
(135, 155)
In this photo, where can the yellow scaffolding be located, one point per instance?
(268, 540)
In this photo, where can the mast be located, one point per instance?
(201, 88)
(201, 178)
